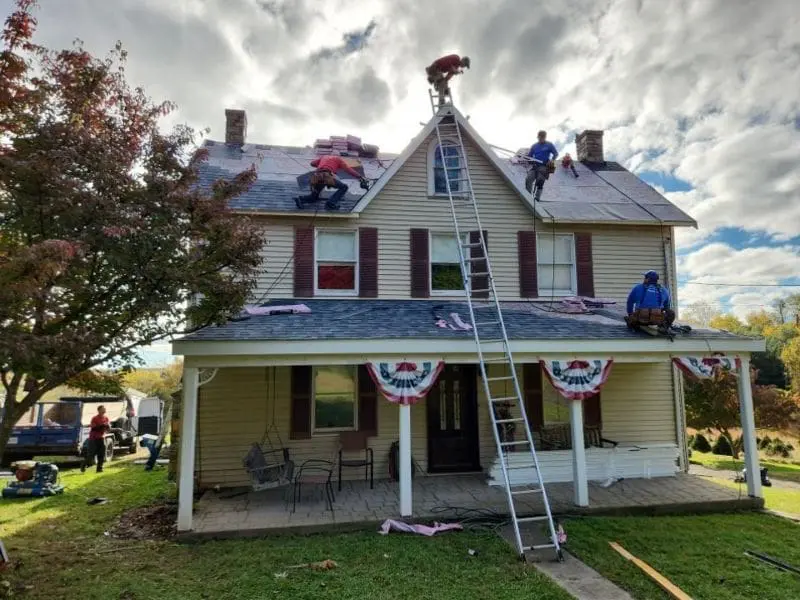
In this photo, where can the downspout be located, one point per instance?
(670, 264)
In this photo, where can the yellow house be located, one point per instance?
(378, 274)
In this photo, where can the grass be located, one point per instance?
(64, 553)
(703, 555)
(781, 500)
(777, 469)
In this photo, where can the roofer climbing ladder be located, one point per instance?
(486, 318)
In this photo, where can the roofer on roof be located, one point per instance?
(441, 71)
(649, 304)
(325, 177)
(542, 156)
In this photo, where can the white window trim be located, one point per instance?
(545, 291)
(432, 193)
(322, 293)
(452, 293)
(329, 431)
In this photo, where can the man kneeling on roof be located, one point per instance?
(542, 156)
(325, 177)
(441, 71)
(649, 304)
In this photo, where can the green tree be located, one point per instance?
(156, 382)
(714, 403)
(791, 358)
(728, 323)
(106, 242)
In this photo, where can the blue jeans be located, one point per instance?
(333, 201)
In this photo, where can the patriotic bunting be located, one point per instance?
(577, 379)
(405, 382)
(703, 368)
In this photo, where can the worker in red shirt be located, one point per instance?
(325, 177)
(96, 445)
(442, 70)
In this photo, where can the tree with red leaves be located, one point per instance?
(107, 243)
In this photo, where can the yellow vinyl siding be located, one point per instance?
(235, 408)
(620, 253)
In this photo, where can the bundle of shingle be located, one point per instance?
(348, 145)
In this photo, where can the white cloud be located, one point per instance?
(706, 91)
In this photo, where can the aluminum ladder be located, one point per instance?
(485, 314)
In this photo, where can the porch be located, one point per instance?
(233, 513)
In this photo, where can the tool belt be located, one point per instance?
(322, 178)
(645, 316)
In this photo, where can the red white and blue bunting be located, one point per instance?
(704, 368)
(577, 379)
(405, 382)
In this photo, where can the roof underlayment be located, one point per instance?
(603, 192)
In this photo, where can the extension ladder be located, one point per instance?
(486, 314)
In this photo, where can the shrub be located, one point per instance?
(738, 444)
(700, 443)
(722, 446)
(780, 448)
(690, 441)
(763, 444)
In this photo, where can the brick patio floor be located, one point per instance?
(231, 513)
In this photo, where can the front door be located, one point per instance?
(452, 408)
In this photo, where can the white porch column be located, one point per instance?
(188, 432)
(580, 483)
(405, 461)
(749, 430)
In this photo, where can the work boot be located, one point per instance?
(298, 202)
(537, 195)
(331, 206)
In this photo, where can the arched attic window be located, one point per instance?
(437, 168)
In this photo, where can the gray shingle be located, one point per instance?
(409, 319)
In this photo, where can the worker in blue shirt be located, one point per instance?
(649, 303)
(541, 155)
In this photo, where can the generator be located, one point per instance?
(33, 479)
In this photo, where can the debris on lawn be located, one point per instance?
(154, 522)
(774, 562)
(472, 552)
(665, 584)
(324, 565)
(94, 501)
(283, 575)
(401, 526)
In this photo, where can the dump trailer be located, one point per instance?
(62, 428)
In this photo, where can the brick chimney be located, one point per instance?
(235, 126)
(590, 145)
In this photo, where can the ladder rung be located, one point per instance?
(521, 468)
(476, 259)
(483, 291)
(521, 492)
(471, 245)
(503, 378)
(480, 274)
(538, 547)
(503, 399)
(517, 420)
(482, 323)
(493, 340)
(495, 360)
(532, 519)
(514, 443)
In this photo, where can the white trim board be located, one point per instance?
(648, 460)
(318, 351)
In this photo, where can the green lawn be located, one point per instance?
(703, 555)
(782, 500)
(64, 553)
(777, 469)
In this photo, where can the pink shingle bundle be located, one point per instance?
(349, 145)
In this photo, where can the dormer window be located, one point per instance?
(439, 169)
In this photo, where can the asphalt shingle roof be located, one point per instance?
(415, 319)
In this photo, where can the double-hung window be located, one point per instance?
(336, 269)
(446, 277)
(335, 402)
(555, 257)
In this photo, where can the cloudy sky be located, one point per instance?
(700, 98)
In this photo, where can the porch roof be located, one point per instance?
(335, 321)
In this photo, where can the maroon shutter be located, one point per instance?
(367, 403)
(528, 275)
(420, 264)
(300, 421)
(592, 416)
(583, 259)
(534, 399)
(368, 262)
(303, 262)
(479, 266)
